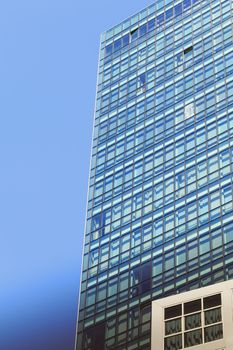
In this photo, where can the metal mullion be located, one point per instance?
(183, 325)
(202, 319)
(173, 334)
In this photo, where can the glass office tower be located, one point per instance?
(160, 207)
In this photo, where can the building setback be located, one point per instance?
(160, 203)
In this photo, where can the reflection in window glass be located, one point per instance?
(173, 326)
(213, 333)
(213, 316)
(174, 342)
(192, 321)
(193, 338)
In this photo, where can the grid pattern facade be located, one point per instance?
(160, 203)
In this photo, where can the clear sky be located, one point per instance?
(48, 68)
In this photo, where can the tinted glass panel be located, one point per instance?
(193, 321)
(142, 30)
(192, 306)
(192, 338)
(213, 300)
(173, 311)
(151, 24)
(117, 44)
(187, 4)
(213, 316)
(173, 343)
(109, 49)
(160, 19)
(134, 34)
(173, 326)
(213, 333)
(189, 49)
(169, 13)
(125, 39)
(178, 9)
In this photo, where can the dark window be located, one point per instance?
(172, 311)
(189, 49)
(193, 338)
(213, 300)
(146, 271)
(192, 306)
(94, 337)
(141, 279)
(134, 34)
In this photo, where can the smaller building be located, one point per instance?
(200, 319)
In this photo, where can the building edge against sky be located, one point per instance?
(159, 213)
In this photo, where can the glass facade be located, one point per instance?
(160, 203)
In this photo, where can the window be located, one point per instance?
(142, 30)
(151, 24)
(94, 337)
(178, 9)
(196, 329)
(117, 44)
(134, 34)
(141, 279)
(160, 19)
(179, 61)
(189, 110)
(141, 83)
(109, 49)
(188, 49)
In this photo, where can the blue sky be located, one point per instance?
(48, 68)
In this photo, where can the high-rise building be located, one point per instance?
(159, 227)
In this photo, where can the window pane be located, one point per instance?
(193, 338)
(192, 306)
(192, 321)
(213, 333)
(173, 343)
(213, 300)
(173, 311)
(173, 326)
(213, 316)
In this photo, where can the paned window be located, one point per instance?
(193, 323)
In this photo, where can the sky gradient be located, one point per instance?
(49, 57)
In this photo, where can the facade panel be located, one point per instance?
(160, 203)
